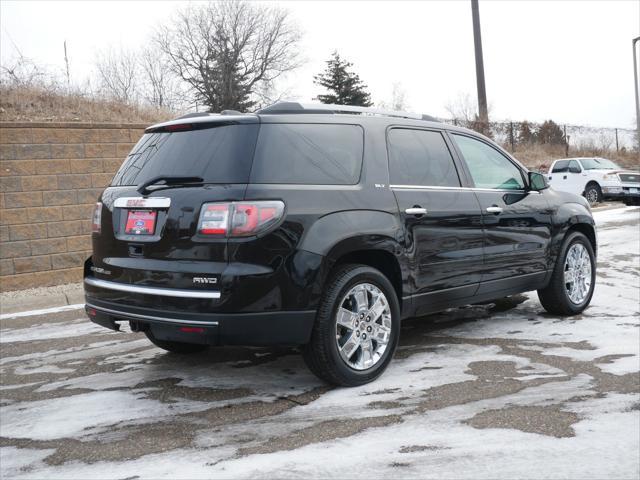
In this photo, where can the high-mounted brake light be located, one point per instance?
(96, 224)
(239, 219)
(178, 127)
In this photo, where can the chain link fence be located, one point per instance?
(538, 144)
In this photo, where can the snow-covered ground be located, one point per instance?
(497, 391)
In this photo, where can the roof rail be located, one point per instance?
(310, 108)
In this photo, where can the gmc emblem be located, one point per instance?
(205, 280)
(136, 202)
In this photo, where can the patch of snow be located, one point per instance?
(78, 415)
(20, 370)
(48, 331)
(14, 460)
(42, 311)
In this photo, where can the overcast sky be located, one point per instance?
(566, 60)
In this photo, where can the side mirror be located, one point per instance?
(575, 170)
(537, 181)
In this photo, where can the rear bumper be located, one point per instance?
(264, 328)
(166, 292)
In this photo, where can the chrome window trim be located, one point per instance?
(473, 189)
(150, 317)
(167, 292)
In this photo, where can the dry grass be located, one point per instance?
(537, 156)
(36, 104)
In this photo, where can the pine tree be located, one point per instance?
(344, 86)
(550, 133)
(525, 133)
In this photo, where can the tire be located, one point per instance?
(323, 355)
(176, 347)
(593, 193)
(555, 297)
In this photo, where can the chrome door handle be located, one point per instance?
(494, 209)
(416, 211)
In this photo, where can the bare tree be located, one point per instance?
(398, 99)
(21, 72)
(118, 74)
(463, 112)
(227, 51)
(160, 86)
(462, 109)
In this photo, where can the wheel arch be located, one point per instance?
(368, 237)
(588, 231)
(381, 259)
(572, 216)
(591, 183)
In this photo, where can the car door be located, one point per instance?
(566, 176)
(443, 223)
(517, 222)
(575, 178)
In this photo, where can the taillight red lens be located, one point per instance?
(214, 219)
(96, 224)
(245, 219)
(239, 219)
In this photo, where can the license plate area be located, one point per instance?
(140, 222)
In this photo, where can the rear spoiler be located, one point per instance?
(197, 121)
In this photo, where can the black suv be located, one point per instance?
(324, 226)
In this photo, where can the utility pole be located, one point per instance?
(635, 78)
(477, 41)
(66, 62)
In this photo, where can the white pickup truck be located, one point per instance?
(596, 179)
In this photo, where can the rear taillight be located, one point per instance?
(239, 219)
(214, 219)
(96, 224)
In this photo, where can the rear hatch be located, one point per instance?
(150, 236)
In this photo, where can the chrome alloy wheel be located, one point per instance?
(363, 326)
(577, 273)
(592, 196)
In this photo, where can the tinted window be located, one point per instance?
(561, 166)
(574, 167)
(488, 167)
(218, 155)
(317, 154)
(420, 157)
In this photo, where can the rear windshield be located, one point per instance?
(312, 154)
(219, 154)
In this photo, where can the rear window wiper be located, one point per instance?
(167, 180)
